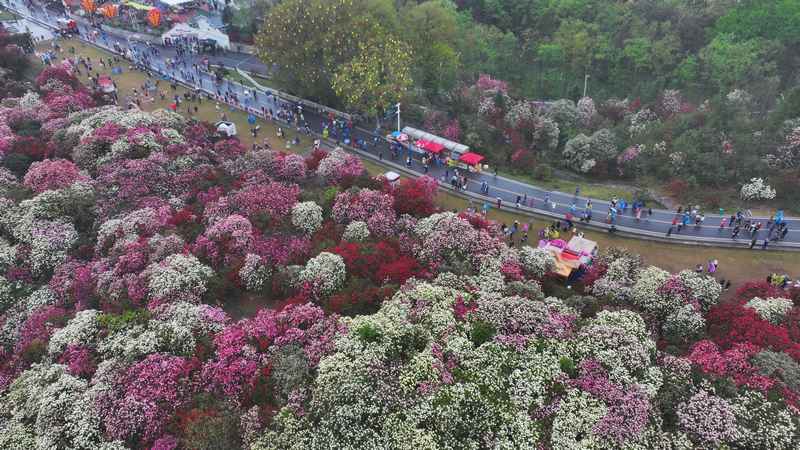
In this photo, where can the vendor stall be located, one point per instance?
(454, 149)
(106, 84)
(570, 256)
(434, 148)
(203, 32)
(392, 177)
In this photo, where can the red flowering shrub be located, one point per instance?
(732, 323)
(415, 196)
(381, 262)
(57, 73)
(312, 161)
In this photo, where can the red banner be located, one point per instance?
(154, 17)
(89, 6)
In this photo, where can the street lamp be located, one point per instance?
(585, 84)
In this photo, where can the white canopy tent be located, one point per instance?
(201, 32)
(174, 3)
(454, 147)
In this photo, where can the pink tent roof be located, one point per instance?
(432, 147)
(471, 158)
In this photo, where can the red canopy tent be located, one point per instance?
(472, 159)
(429, 146)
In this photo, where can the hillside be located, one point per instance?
(129, 242)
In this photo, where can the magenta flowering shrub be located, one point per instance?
(241, 364)
(52, 174)
(79, 361)
(228, 238)
(628, 408)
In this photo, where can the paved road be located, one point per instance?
(533, 199)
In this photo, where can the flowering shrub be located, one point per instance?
(51, 175)
(372, 207)
(757, 189)
(339, 165)
(325, 273)
(178, 277)
(415, 196)
(357, 231)
(140, 400)
(771, 309)
(708, 418)
(307, 216)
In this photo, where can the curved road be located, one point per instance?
(653, 226)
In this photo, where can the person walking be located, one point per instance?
(671, 229)
(736, 230)
(753, 241)
(766, 243)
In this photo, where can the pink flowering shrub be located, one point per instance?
(708, 419)
(143, 398)
(273, 200)
(339, 165)
(228, 238)
(366, 205)
(628, 409)
(52, 174)
(79, 361)
(487, 83)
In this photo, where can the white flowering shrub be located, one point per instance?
(573, 422)
(564, 112)
(771, 309)
(83, 329)
(586, 110)
(307, 216)
(536, 261)
(356, 231)
(739, 98)
(620, 276)
(621, 342)
(757, 189)
(59, 407)
(179, 277)
(325, 272)
(577, 154)
(30, 100)
(685, 324)
(640, 120)
(130, 343)
(762, 423)
(254, 273)
(646, 292)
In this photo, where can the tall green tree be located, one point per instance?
(305, 41)
(378, 76)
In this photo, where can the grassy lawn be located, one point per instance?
(233, 75)
(601, 191)
(737, 265)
